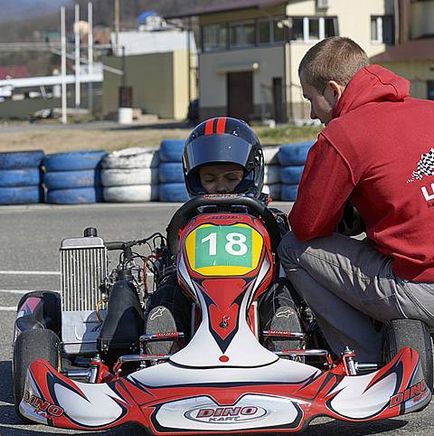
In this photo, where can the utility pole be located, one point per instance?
(77, 56)
(63, 63)
(116, 19)
(90, 56)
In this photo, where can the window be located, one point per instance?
(430, 89)
(264, 31)
(270, 31)
(242, 34)
(309, 29)
(382, 29)
(278, 31)
(214, 37)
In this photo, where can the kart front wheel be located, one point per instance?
(32, 345)
(412, 333)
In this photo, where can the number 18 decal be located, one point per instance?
(232, 249)
(234, 240)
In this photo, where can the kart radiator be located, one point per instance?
(83, 267)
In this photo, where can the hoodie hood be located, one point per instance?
(371, 84)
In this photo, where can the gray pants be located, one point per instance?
(347, 283)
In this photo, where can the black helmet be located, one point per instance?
(224, 140)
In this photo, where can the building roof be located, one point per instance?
(415, 50)
(225, 6)
(13, 72)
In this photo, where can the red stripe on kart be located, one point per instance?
(221, 125)
(209, 127)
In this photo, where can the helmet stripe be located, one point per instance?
(209, 127)
(221, 125)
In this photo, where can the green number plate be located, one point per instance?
(223, 246)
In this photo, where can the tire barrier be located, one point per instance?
(20, 177)
(172, 186)
(171, 172)
(21, 195)
(291, 175)
(271, 174)
(271, 155)
(171, 150)
(131, 193)
(292, 158)
(130, 175)
(288, 192)
(134, 157)
(173, 192)
(273, 190)
(74, 195)
(21, 159)
(73, 177)
(295, 153)
(73, 161)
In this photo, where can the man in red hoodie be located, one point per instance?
(376, 151)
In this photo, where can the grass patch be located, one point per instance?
(54, 139)
(286, 133)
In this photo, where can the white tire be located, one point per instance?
(273, 190)
(135, 157)
(133, 176)
(271, 174)
(270, 155)
(130, 194)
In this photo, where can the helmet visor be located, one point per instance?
(215, 149)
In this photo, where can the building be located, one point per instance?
(249, 50)
(159, 65)
(413, 54)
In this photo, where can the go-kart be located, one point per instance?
(74, 368)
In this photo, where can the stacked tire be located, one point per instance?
(20, 177)
(172, 186)
(130, 175)
(73, 177)
(292, 158)
(271, 172)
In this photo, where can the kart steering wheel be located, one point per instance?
(220, 203)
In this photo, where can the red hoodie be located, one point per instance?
(377, 151)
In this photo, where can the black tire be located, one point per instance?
(30, 346)
(412, 333)
(48, 314)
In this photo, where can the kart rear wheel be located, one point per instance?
(32, 345)
(412, 333)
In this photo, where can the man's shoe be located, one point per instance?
(285, 319)
(160, 321)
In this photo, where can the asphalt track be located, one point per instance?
(29, 241)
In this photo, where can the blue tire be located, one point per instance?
(171, 172)
(288, 192)
(20, 177)
(73, 161)
(21, 195)
(295, 153)
(21, 159)
(74, 196)
(71, 179)
(291, 175)
(171, 150)
(173, 192)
